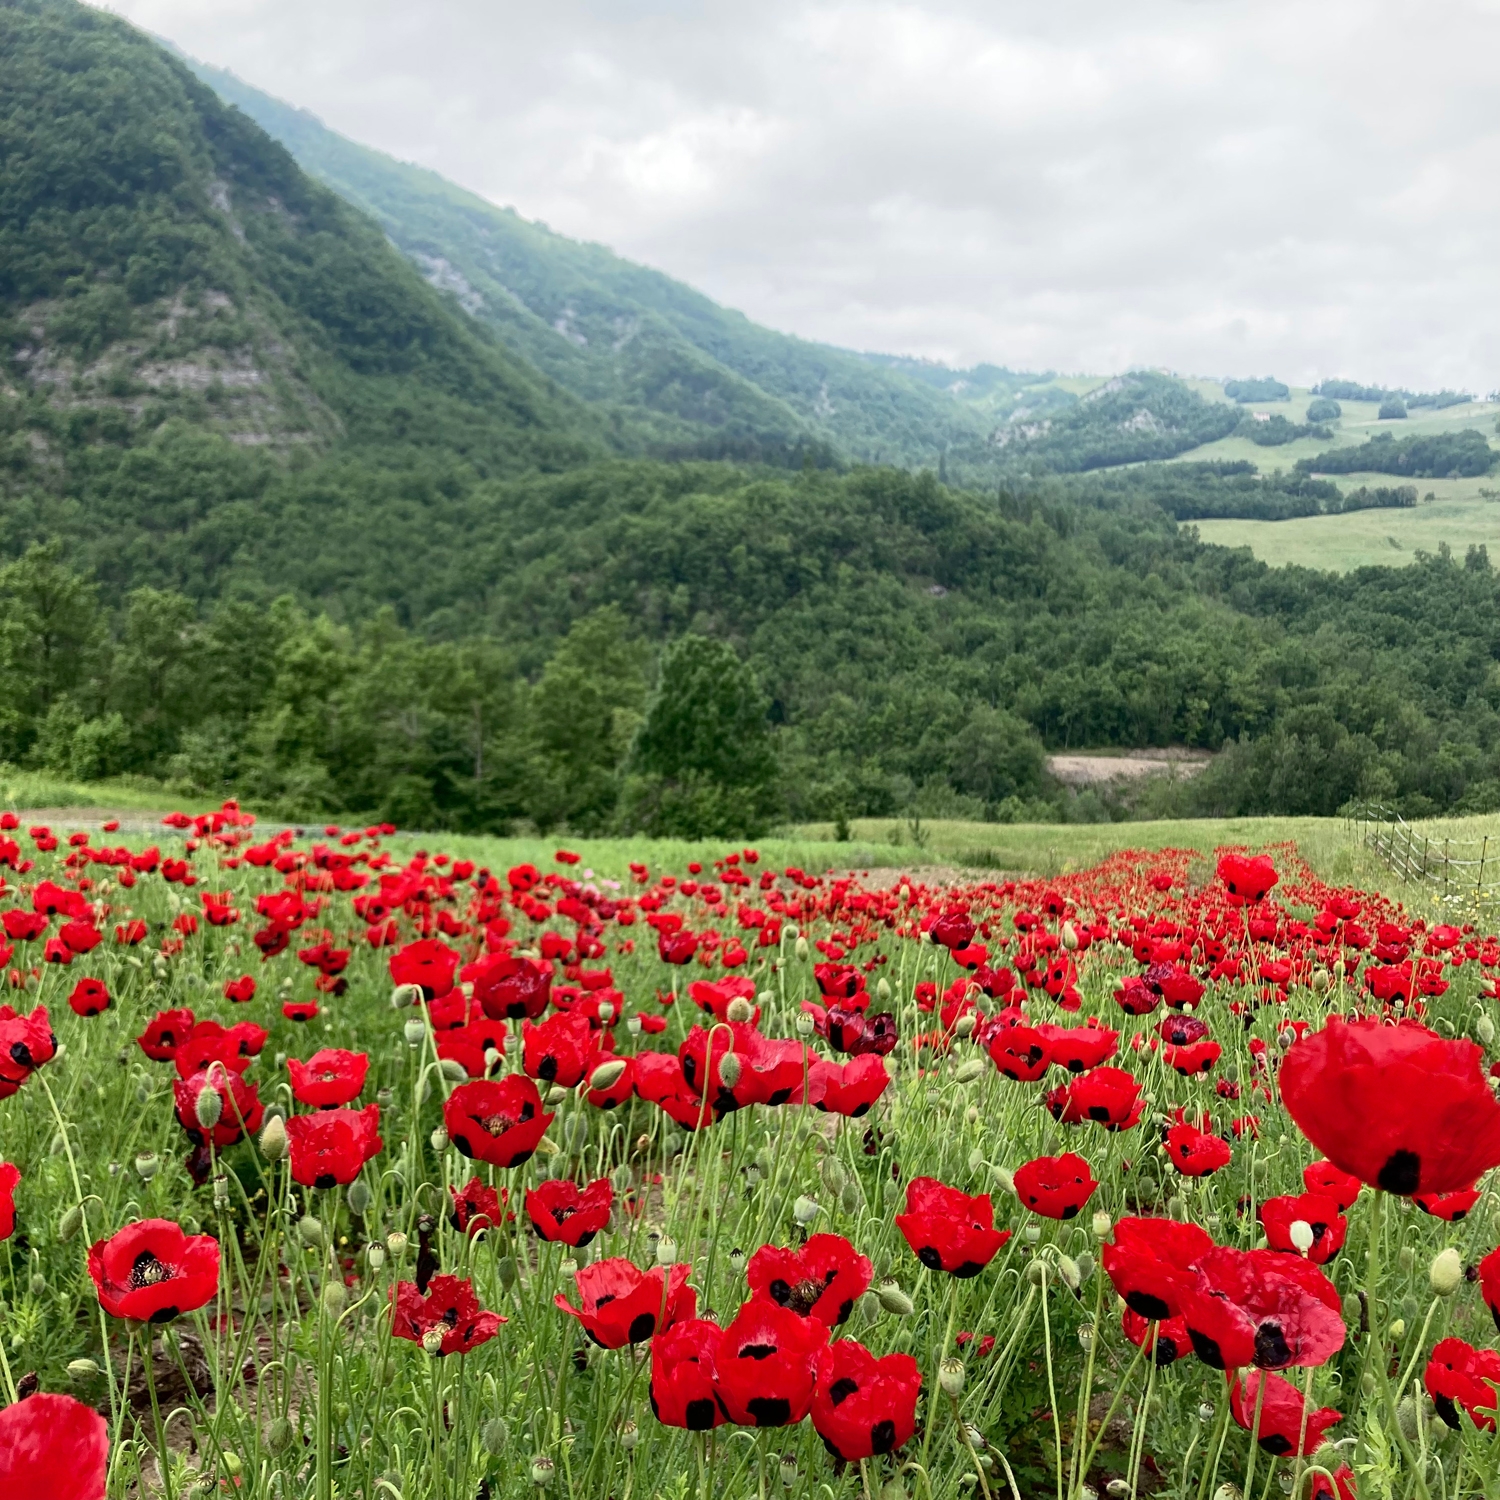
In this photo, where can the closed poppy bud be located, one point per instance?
(974, 1068)
(893, 1299)
(883, 989)
(273, 1142)
(404, 995)
(740, 1010)
(453, 1070)
(1005, 1180)
(606, 1075)
(335, 1298)
(1446, 1272)
(729, 1070)
(70, 1223)
(208, 1106)
(310, 1231)
(1484, 1029)
(358, 1195)
(802, 949)
(82, 1369)
(1070, 937)
(279, 1435)
(951, 1376)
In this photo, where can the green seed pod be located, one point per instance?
(495, 1435)
(805, 1210)
(395, 1244)
(630, 1435)
(279, 1435)
(788, 1470)
(951, 1376)
(666, 1251)
(310, 1231)
(543, 1471)
(439, 1139)
(1101, 1226)
(358, 1196)
(375, 1256)
(147, 1165)
(70, 1223)
(414, 1031)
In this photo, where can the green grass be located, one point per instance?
(22, 790)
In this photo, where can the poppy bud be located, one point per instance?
(1070, 937)
(805, 1209)
(964, 1026)
(974, 1068)
(1367, 1385)
(82, 1369)
(1036, 1273)
(208, 1107)
(542, 1471)
(147, 1165)
(883, 989)
(893, 1489)
(1067, 1268)
(729, 1070)
(1484, 1029)
(358, 1196)
(630, 1435)
(404, 995)
(310, 1231)
(494, 1435)
(607, 1074)
(1031, 1233)
(375, 1256)
(279, 1435)
(740, 1009)
(1446, 1272)
(1397, 1331)
(505, 1269)
(439, 1139)
(395, 1243)
(1102, 1226)
(666, 1251)
(622, 1179)
(1301, 1235)
(893, 1299)
(1085, 1266)
(414, 1031)
(491, 1059)
(453, 1070)
(868, 1307)
(1351, 1308)
(70, 1223)
(788, 1468)
(802, 949)
(951, 1376)
(1406, 1257)
(805, 1026)
(273, 1142)
(432, 1341)
(334, 1298)
(1409, 1417)
(556, 1095)
(850, 1198)
(833, 1174)
(38, 1285)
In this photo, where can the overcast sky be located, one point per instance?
(1291, 187)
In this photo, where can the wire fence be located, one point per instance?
(1456, 873)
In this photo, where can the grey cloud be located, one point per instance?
(1289, 187)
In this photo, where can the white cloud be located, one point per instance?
(1287, 187)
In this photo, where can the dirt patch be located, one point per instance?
(1084, 770)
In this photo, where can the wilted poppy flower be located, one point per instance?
(165, 1032)
(1172, 1341)
(496, 1120)
(1285, 1420)
(1194, 1152)
(510, 988)
(1020, 1053)
(477, 1206)
(150, 1272)
(1449, 1206)
(848, 1089)
(1400, 1107)
(948, 1230)
(427, 963)
(1259, 1307)
(1321, 1216)
(1055, 1186)
(821, 1279)
(240, 1109)
(1247, 878)
(1150, 1263)
(328, 1078)
(9, 1176)
(767, 1365)
(1325, 1178)
(1108, 1096)
(329, 1148)
(863, 1405)
(52, 1448)
(560, 1050)
(449, 1306)
(683, 1367)
(559, 1211)
(89, 997)
(240, 990)
(624, 1305)
(1459, 1375)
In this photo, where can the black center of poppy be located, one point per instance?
(968, 1269)
(1274, 1442)
(770, 1411)
(642, 1326)
(496, 1125)
(883, 1436)
(841, 1389)
(1166, 1352)
(930, 1257)
(700, 1414)
(757, 1351)
(1206, 1349)
(325, 1180)
(1272, 1352)
(148, 1271)
(1401, 1173)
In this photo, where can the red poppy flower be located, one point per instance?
(716, 998)
(477, 1206)
(1342, 1487)
(1198, 1057)
(1172, 1340)
(329, 1148)
(240, 990)
(1285, 1422)
(560, 1050)
(450, 1306)
(1259, 1307)
(767, 1365)
(1489, 1284)
(1449, 1206)
(1325, 1178)
(1247, 878)
(1398, 1106)
(848, 1089)
(1459, 1375)
(240, 1109)
(559, 1211)
(128, 934)
(1194, 1152)
(1020, 1053)
(676, 947)
(683, 1366)
(328, 1078)
(624, 1305)
(206, 1044)
(822, 1279)
(24, 926)
(1055, 1186)
(89, 997)
(427, 963)
(52, 1448)
(1078, 1048)
(1150, 1263)
(151, 1271)
(1135, 997)
(1319, 1213)
(471, 1046)
(619, 1091)
(1108, 1096)
(26, 1042)
(165, 1032)
(496, 1120)
(300, 1010)
(948, 1230)
(511, 988)
(863, 1405)
(9, 1177)
(953, 930)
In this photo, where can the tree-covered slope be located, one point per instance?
(167, 269)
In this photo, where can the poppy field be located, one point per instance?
(336, 1167)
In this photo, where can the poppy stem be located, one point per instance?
(163, 1462)
(1051, 1381)
(963, 1431)
(1085, 1395)
(1211, 1460)
(1260, 1396)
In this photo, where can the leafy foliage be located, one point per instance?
(1464, 454)
(1264, 389)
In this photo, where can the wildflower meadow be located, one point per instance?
(335, 1167)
